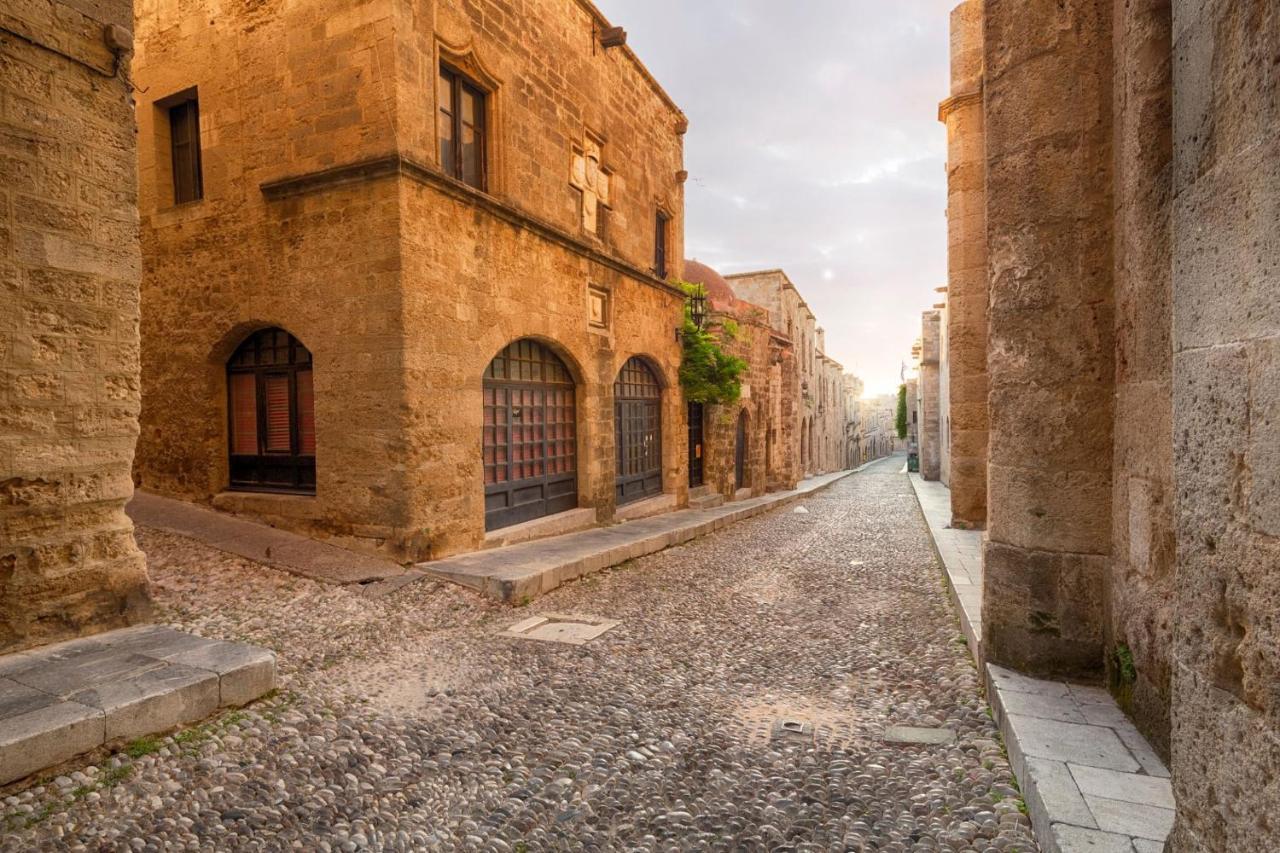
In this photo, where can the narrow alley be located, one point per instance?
(765, 687)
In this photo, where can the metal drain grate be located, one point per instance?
(795, 731)
(561, 628)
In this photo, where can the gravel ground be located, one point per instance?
(408, 722)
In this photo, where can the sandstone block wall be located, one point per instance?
(1050, 349)
(1139, 602)
(929, 390)
(325, 213)
(962, 113)
(68, 327)
(1226, 424)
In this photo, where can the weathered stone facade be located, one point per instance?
(69, 323)
(928, 389)
(966, 329)
(820, 412)
(769, 402)
(1129, 171)
(327, 212)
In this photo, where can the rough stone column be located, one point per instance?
(1226, 424)
(930, 419)
(967, 268)
(68, 325)
(1051, 366)
(1140, 582)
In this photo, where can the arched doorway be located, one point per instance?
(530, 440)
(740, 452)
(637, 420)
(271, 415)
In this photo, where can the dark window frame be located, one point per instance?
(253, 472)
(460, 83)
(661, 232)
(182, 111)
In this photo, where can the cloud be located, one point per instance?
(814, 146)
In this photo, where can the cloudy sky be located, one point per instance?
(813, 146)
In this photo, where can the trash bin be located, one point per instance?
(913, 462)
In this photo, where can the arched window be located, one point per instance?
(271, 406)
(529, 443)
(637, 418)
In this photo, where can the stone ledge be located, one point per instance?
(644, 508)
(540, 528)
(63, 700)
(519, 573)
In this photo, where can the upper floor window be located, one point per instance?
(461, 128)
(184, 147)
(660, 225)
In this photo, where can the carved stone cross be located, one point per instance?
(589, 179)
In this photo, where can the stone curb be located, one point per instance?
(520, 573)
(66, 699)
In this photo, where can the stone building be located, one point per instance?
(407, 271)
(820, 414)
(928, 418)
(853, 437)
(1114, 237)
(745, 449)
(69, 326)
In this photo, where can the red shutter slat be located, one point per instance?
(244, 414)
(306, 415)
(278, 438)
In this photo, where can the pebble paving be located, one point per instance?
(411, 723)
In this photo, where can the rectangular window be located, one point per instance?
(660, 244)
(461, 128)
(184, 148)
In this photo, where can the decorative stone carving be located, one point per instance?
(589, 178)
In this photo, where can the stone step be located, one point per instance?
(704, 497)
(59, 701)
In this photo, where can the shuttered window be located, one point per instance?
(271, 402)
(184, 144)
(460, 127)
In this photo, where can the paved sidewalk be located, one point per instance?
(961, 555)
(59, 701)
(1091, 781)
(517, 574)
(286, 551)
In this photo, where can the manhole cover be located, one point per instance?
(558, 628)
(914, 734)
(797, 731)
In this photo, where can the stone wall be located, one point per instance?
(326, 213)
(1139, 592)
(1226, 424)
(930, 417)
(69, 326)
(1050, 349)
(966, 270)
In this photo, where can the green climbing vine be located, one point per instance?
(708, 374)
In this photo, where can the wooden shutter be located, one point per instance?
(244, 414)
(276, 399)
(306, 415)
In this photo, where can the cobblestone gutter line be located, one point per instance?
(1090, 780)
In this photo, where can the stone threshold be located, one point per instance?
(520, 573)
(289, 552)
(67, 699)
(1091, 782)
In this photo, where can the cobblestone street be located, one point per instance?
(411, 722)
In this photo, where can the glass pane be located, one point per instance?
(447, 160)
(277, 397)
(470, 156)
(306, 415)
(244, 414)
